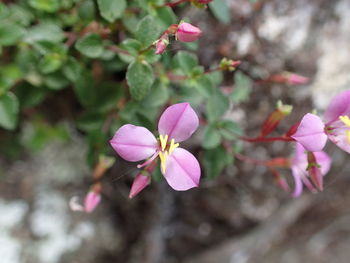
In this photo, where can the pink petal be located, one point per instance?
(134, 143)
(338, 135)
(310, 133)
(140, 182)
(324, 160)
(182, 170)
(298, 185)
(339, 105)
(187, 33)
(178, 121)
(92, 199)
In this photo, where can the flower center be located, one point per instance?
(345, 119)
(166, 149)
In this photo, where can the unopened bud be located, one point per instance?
(187, 32)
(161, 45)
(229, 64)
(140, 182)
(92, 200)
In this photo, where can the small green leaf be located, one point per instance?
(205, 86)
(242, 88)
(111, 9)
(212, 137)
(140, 79)
(50, 63)
(10, 33)
(214, 161)
(86, 10)
(72, 69)
(217, 105)
(187, 61)
(229, 129)
(84, 89)
(220, 10)
(56, 81)
(44, 32)
(91, 121)
(166, 16)
(45, 5)
(148, 31)
(28, 95)
(90, 45)
(9, 108)
(158, 95)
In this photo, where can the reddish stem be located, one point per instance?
(173, 4)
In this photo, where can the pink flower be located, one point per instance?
(140, 182)
(179, 167)
(295, 79)
(312, 132)
(187, 33)
(161, 44)
(204, 1)
(301, 169)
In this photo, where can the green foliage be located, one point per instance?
(92, 63)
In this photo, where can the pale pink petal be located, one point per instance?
(178, 121)
(187, 32)
(298, 184)
(134, 143)
(310, 133)
(339, 105)
(324, 160)
(338, 135)
(140, 182)
(92, 199)
(182, 170)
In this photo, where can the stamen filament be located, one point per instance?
(147, 162)
(163, 141)
(173, 146)
(347, 133)
(163, 158)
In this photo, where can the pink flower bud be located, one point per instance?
(295, 79)
(92, 199)
(161, 45)
(140, 183)
(187, 33)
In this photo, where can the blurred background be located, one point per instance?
(241, 216)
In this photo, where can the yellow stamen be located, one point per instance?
(163, 158)
(345, 119)
(348, 136)
(173, 146)
(163, 141)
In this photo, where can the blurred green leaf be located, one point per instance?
(9, 74)
(44, 32)
(187, 61)
(90, 45)
(72, 69)
(242, 88)
(111, 9)
(84, 89)
(214, 161)
(56, 81)
(10, 33)
(205, 86)
(9, 108)
(91, 121)
(140, 79)
(211, 138)
(158, 95)
(50, 63)
(220, 10)
(45, 5)
(86, 10)
(217, 105)
(166, 16)
(229, 129)
(148, 31)
(28, 95)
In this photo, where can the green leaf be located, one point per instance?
(84, 89)
(212, 137)
(45, 5)
(72, 69)
(140, 79)
(132, 46)
(50, 63)
(220, 10)
(217, 105)
(214, 161)
(205, 86)
(148, 31)
(44, 32)
(111, 9)
(242, 88)
(10, 34)
(187, 61)
(229, 129)
(158, 95)
(166, 16)
(9, 108)
(56, 81)
(8, 76)
(91, 121)
(86, 10)
(28, 95)
(90, 45)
